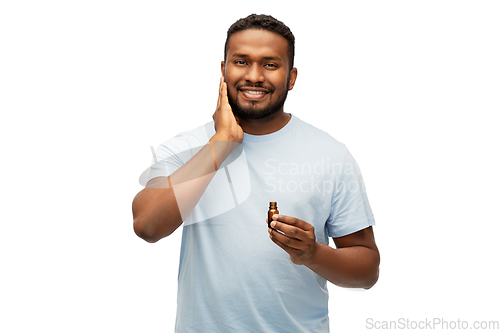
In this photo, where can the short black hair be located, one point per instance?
(263, 22)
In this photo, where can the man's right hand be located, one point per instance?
(157, 210)
(226, 124)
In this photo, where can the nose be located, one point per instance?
(254, 74)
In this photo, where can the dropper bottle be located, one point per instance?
(273, 209)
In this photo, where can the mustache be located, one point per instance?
(242, 86)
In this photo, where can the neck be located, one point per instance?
(268, 125)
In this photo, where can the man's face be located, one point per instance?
(257, 73)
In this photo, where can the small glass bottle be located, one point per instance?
(273, 209)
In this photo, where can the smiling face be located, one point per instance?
(257, 73)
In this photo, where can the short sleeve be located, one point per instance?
(174, 153)
(170, 156)
(350, 209)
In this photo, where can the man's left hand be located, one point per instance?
(294, 236)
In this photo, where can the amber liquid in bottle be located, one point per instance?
(273, 209)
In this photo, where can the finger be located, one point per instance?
(291, 246)
(289, 231)
(224, 93)
(220, 92)
(292, 221)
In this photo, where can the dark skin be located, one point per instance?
(258, 58)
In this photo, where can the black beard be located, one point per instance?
(251, 112)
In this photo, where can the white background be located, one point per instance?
(86, 87)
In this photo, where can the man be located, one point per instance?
(235, 273)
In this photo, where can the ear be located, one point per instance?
(292, 78)
(222, 67)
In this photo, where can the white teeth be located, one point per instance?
(254, 92)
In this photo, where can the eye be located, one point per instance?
(240, 62)
(271, 66)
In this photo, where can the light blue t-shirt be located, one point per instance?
(232, 277)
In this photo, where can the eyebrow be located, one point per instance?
(241, 55)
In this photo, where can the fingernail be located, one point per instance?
(273, 224)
